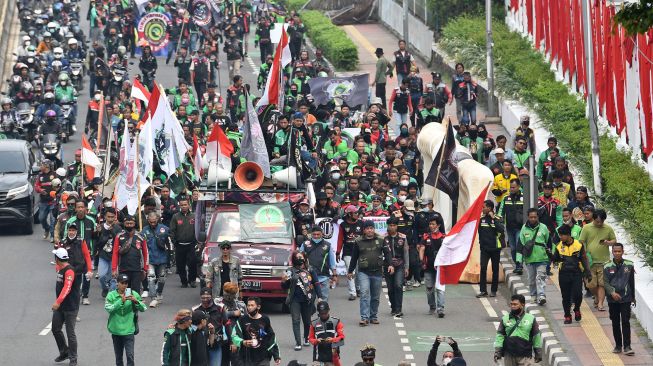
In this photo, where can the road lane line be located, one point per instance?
(407, 349)
(401, 332)
(404, 340)
(399, 325)
(46, 330)
(410, 357)
(488, 307)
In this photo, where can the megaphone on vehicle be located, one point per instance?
(249, 176)
(216, 174)
(287, 176)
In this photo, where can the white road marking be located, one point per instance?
(399, 325)
(401, 332)
(407, 349)
(488, 307)
(46, 330)
(410, 357)
(496, 325)
(404, 340)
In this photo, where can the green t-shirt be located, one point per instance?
(591, 235)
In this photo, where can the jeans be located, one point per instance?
(490, 255)
(156, 276)
(69, 318)
(86, 284)
(434, 297)
(324, 287)
(185, 257)
(620, 317)
(400, 118)
(536, 278)
(44, 216)
(172, 48)
(104, 271)
(571, 290)
(215, 356)
(468, 114)
(513, 239)
(234, 68)
(194, 45)
(370, 295)
(300, 312)
(351, 284)
(400, 78)
(125, 343)
(395, 284)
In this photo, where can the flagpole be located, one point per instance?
(138, 184)
(99, 122)
(444, 141)
(107, 161)
(181, 34)
(217, 163)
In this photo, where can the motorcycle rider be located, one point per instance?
(8, 113)
(112, 42)
(58, 55)
(64, 90)
(48, 105)
(148, 66)
(26, 94)
(75, 51)
(50, 125)
(8, 130)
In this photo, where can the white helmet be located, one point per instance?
(72, 41)
(61, 172)
(58, 52)
(56, 182)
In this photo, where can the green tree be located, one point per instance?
(636, 17)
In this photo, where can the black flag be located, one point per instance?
(445, 167)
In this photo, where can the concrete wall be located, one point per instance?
(420, 36)
(7, 16)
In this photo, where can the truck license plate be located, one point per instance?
(251, 285)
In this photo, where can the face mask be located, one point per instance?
(367, 138)
(557, 184)
(404, 149)
(253, 313)
(71, 237)
(445, 361)
(472, 134)
(482, 134)
(297, 262)
(130, 229)
(404, 132)
(404, 183)
(425, 209)
(515, 312)
(335, 176)
(402, 198)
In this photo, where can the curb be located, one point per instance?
(552, 350)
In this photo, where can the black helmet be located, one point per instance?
(322, 307)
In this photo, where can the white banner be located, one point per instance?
(331, 231)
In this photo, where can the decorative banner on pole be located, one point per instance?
(201, 11)
(152, 27)
(350, 89)
(332, 234)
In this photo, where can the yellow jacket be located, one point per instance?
(501, 186)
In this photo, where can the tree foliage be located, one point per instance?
(636, 17)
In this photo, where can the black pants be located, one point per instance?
(571, 285)
(67, 318)
(395, 283)
(126, 344)
(200, 88)
(487, 255)
(266, 49)
(380, 92)
(300, 312)
(295, 47)
(415, 267)
(185, 257)
(620, 316)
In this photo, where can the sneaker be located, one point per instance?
(46, 235)
(408, 288)
(154, 303)
(86, 301)
(393, 313)
(399, 315)
(431, 311)
(616, 349)
(542, 300)
(105, 292)
(298, 347)
(306, 343)
(440, 314)
(78, 319)
(352, 297)
(363, 323)
(51, 240)
(577, 315)
(492, 294)
(183, 285)
(567, 319)
(482, 294)
(416, 284)
(62, 357)
(409, 283)
(193, 284)
(628, 351)
(145, 294)
(375, 321)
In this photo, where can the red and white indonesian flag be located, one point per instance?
(139, 91)
(89, 159)
(282, 58)
(457, 245)
(218, 147)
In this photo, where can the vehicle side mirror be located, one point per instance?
(36, 169)
(201, 237)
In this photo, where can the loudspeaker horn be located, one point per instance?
(287, 176)
(249, 176)
(216, 174)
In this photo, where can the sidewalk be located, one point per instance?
(368, 37)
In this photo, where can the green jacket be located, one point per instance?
(176, 347)
(518, 339)
(280, 140)
(478, 154)
(521, 158)
(383, 69)
(539, 254)
(336, 151)
(544, 156)
(575, 231)
(121, 314)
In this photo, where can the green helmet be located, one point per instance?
(63, 77)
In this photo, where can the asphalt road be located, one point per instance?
(28, 278)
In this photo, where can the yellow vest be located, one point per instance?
(572, 250)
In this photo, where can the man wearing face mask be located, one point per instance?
(215, 316)
(108, 230)
(86, 232)
(158, 246)
(79, 253)
(254, 336)
(232, 309)
(60, 225)
(474, 143)
(320, 259)
(367, 258)
(130, 254)
(518, 337)
(447, 356)
(396, 258)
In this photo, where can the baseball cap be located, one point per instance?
(547, 185)
(581, 189)
(316, 228)
(225, 244)
(436, 75)
(61, 253)
(122, 278)
(499, 150)
(368, 223)
(409, 205)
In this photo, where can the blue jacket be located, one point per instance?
(157, 238)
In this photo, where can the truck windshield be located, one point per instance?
(12, 162)
(227, 226)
